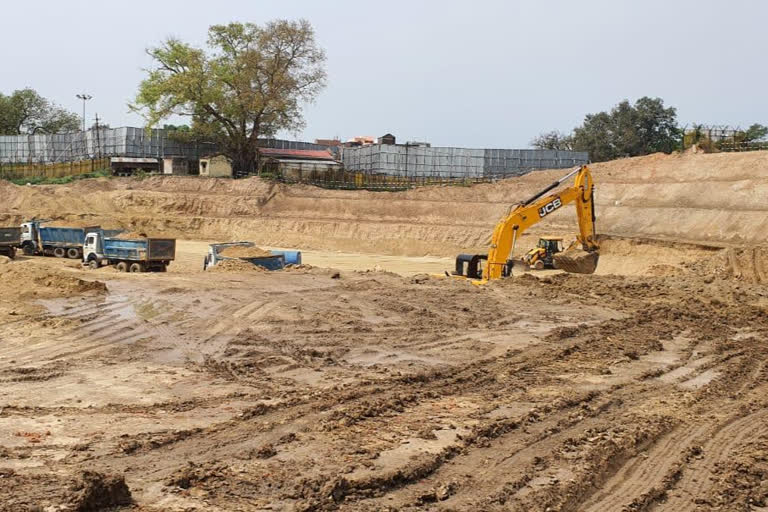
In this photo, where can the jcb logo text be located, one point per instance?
(550, 207)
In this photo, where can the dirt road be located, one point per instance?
(375, 391)
(190, 255)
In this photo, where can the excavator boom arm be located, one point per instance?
(532, 211)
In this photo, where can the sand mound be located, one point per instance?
(244, 252)
(87, 492)
(33, 281)
(131, 235)
(304, 267)
(236, 266)
(4, 260)
(95, 491)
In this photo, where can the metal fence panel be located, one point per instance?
(126, 141)
(446, 162)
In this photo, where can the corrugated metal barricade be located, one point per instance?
(516, 162)
(414, 161)
(448, 162)
(125, 142)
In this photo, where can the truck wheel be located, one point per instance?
(12, 253)
(73, 253)
(162, 268)
(29, 250)
(94, 264)
(59, 252)
(137, 267)
(122, 267)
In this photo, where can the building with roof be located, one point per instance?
(215, 166)
(296, 164)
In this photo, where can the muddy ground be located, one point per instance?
(641, 388)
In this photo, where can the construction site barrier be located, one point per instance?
(19, 171)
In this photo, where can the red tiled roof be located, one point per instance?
(309, 154)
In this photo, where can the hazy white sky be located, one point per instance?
(482, 73)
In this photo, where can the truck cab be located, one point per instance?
(29, 237)
(93, 252)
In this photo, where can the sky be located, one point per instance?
(481, 73)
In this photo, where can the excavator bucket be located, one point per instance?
(577, 261)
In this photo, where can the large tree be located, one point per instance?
(25, 112)
(251, 82)
(629, 130)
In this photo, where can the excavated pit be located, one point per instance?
(359, 381)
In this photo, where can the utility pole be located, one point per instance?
(85, 97)
(98, 138)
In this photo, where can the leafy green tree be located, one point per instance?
(25, 112)
(553, 140)
(176, 127)
(596, 136)
(629, 130)
(756, 132)
(181, 133)
(251, 82)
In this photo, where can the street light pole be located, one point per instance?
(85, 97)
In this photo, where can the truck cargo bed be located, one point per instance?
(62, 237)
(144, 249)
(10, 237)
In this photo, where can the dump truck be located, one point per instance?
(55, 241)
(273, 260)
(10, 240)
(128, 255)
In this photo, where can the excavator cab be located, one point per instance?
(543, 255)
(471, 266)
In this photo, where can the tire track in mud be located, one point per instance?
(317, 414)
(97, 326)
(696, 475)
(645, 480)
(643, 472)
(508, 461)
(638, 474)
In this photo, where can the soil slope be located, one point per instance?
(712, 199)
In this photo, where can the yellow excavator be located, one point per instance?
(498, 262)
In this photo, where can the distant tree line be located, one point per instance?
(640, 129)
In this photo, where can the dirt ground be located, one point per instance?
(361, 381)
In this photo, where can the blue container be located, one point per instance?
(274, 262)
(62, 237)
(145, 249)
(291, 257)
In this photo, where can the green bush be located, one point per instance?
(43, 180)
